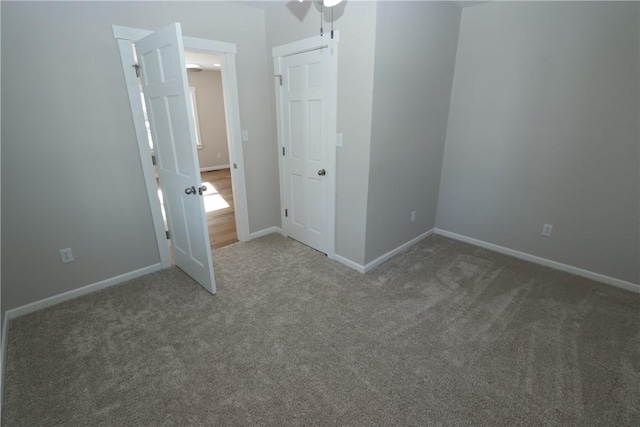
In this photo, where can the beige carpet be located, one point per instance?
(443, 334)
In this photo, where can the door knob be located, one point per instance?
(202, 189)
(190, 190)
(322, 172)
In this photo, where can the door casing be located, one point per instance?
(331, 95)
(125, 36)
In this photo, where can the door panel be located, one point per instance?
(297, 208)
(296, 130)
(304, 124)
(164, 83)
(315, 131)
(316, 219)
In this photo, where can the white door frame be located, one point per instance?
(301, 46)
(125, 36)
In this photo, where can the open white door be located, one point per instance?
(166, 92)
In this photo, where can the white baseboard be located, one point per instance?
(65, 296)
(633, 287)
(376, 262)
(351, 264)
(3, 355)
(214, 168)
(265, 232)
(57, 299)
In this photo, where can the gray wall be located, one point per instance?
(414, 63)
(543, 128)
(2, 312)
(292, 21)
(71, 174)
(213, 131)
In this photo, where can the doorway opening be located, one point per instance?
(205, 83)
(207, 101)
(226, 178)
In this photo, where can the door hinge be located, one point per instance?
(286, 212)
(283, 151)
(137, 68)
(167, 234)
(279, 76)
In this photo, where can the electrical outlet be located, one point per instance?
(66, 255)
(413, 216)
(547, 229)
(219, 155)
(245, 135)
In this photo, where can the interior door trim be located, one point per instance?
(134, 34)
(124, 37)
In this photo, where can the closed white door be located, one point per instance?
(166, 92)
(304, 111)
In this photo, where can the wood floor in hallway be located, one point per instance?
(219, 208)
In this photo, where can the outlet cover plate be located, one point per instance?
(66, 255)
